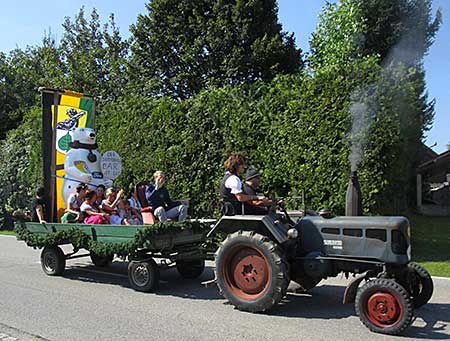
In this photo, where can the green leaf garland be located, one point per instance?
(81, 240)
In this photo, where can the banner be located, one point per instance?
(63, 111)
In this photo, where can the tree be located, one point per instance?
(388, 99)
(19, 74)
(339, 35)
(182, 47)
(94, 59)
(406, 25)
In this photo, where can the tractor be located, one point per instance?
(262, 254)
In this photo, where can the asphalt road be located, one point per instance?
(90, 303)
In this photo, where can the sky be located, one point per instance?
(24, 22)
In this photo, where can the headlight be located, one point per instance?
(292, 233)
(408, 232)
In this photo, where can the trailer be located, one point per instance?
(177, 244)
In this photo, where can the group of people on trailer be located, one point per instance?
(107, 206)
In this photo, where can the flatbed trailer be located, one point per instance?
(179, 245)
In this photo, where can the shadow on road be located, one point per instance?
(431, 322)
(171, 283)
(323, 302)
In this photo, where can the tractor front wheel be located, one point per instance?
(384, 306)
(251, 272)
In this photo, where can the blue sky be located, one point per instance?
(24, 22)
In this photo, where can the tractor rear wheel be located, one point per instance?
(422, 286)
(251, 272)
(384, 306)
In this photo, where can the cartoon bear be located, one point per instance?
(82, 163)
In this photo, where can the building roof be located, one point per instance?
(440, 160)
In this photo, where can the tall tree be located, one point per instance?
(407, 25)
(94, 58)
(182, 47)
(383, 58)
(19, 74)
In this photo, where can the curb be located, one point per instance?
(437, 277)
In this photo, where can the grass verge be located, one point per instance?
(430, 243)
(8, 233)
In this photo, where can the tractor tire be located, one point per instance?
(423, 285)
(384, 306)
(191, 269)
(53, 260)
(143, 275)
(251, 271)
(101, 261)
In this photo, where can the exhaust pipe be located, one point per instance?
(353, 197)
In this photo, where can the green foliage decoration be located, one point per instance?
(79, 239)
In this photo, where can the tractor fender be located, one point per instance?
(352, 289)
(261, 224)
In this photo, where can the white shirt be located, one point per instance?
(234, 183)
(85, 206)
(72, 201)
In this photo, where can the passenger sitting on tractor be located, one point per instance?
(252, 182)
(90, 214)
(231, 192)
(74, 202)
(158, 198)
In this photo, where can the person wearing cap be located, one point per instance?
(74, 202)
(231, 193)
(252, 182)
(159, 199)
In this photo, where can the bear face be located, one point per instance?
(84, 135)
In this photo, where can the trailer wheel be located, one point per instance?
(53, 261)
(101, 261)
(422, 288)
(384, 306)
(251, 272)
(143, 275)
(191, 269)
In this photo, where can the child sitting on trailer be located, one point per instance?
(128, 214)
(109, 205)
(91, 215)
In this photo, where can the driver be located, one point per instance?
(252, 182)
(231, 193)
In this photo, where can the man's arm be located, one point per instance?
(242, 197)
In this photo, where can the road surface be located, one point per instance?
(91, 303)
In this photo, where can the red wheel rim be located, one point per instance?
(384, 309)
(246, 273)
